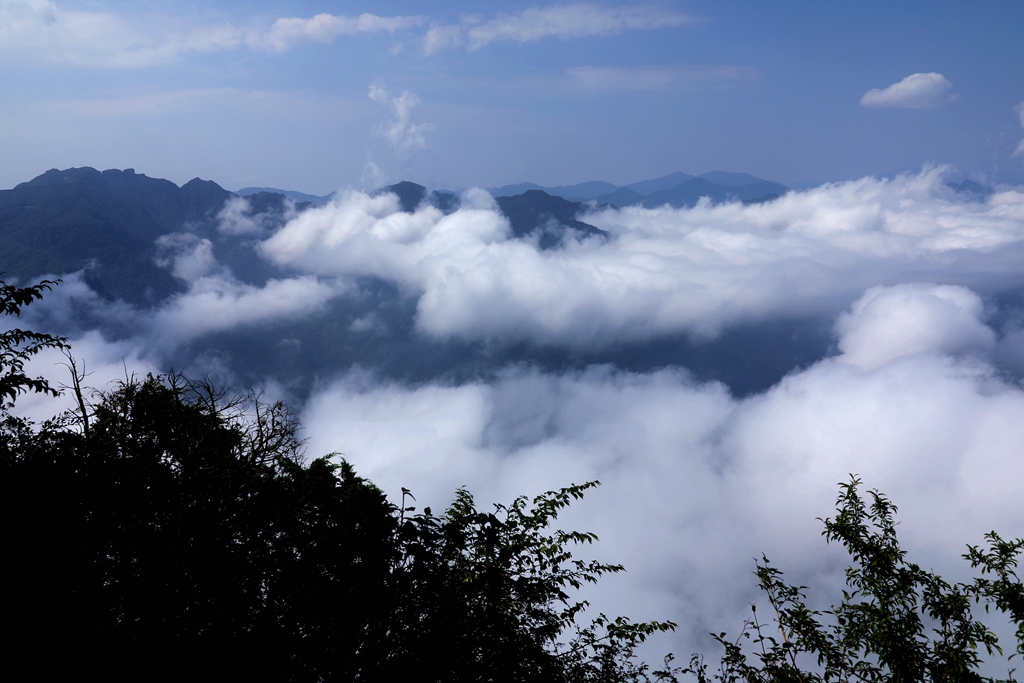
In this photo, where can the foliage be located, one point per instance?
(165, 530)
(180, 517)
(490, 590)
(17, 346)
(896, 621)
(166, 525)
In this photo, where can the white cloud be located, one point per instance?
(575, 20)
(442, 37)
(652, 78)
(916, 91)
(44, 31)
(324, 28)
(663, 271)
(696, 483)
(237, 218)
(404, 135)
(893, 322)
(188, 256)
(103, 361)
(217, 303)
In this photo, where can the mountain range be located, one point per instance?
(108, 222)
(118, 230)
(676, 189)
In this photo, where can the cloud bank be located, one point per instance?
(916, 91)
(919, 394)
(698, 484)
(662, 271)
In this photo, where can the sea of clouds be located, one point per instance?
(920, 394)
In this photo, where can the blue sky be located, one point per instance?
(316, 95)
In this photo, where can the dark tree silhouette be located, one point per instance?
(17, 346)
(896, 621)
(167, 531)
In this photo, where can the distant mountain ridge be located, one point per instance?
(676, 189)
(291, 194)
(109, 222)
(124, 231)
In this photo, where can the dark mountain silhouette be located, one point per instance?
(291, 194)
(579, 192)
(106, 222)
(536, 213)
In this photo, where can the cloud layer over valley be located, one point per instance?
(536, 367)
(662, 271)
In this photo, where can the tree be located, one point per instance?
(485, 596)
(896, 622)
(170, 531)
(17, 346)
(177, 537)
(189, 521)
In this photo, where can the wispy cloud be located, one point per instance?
(576, 20)
(41, 30)
(404, 135)
(916, 91)
(215, 303)
(653, 78)
(324, 28)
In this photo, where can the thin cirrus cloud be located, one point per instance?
(324, 28)
(41, 30)
(653, 78)
(916, 91)
(1020, 113)
(576, 20)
